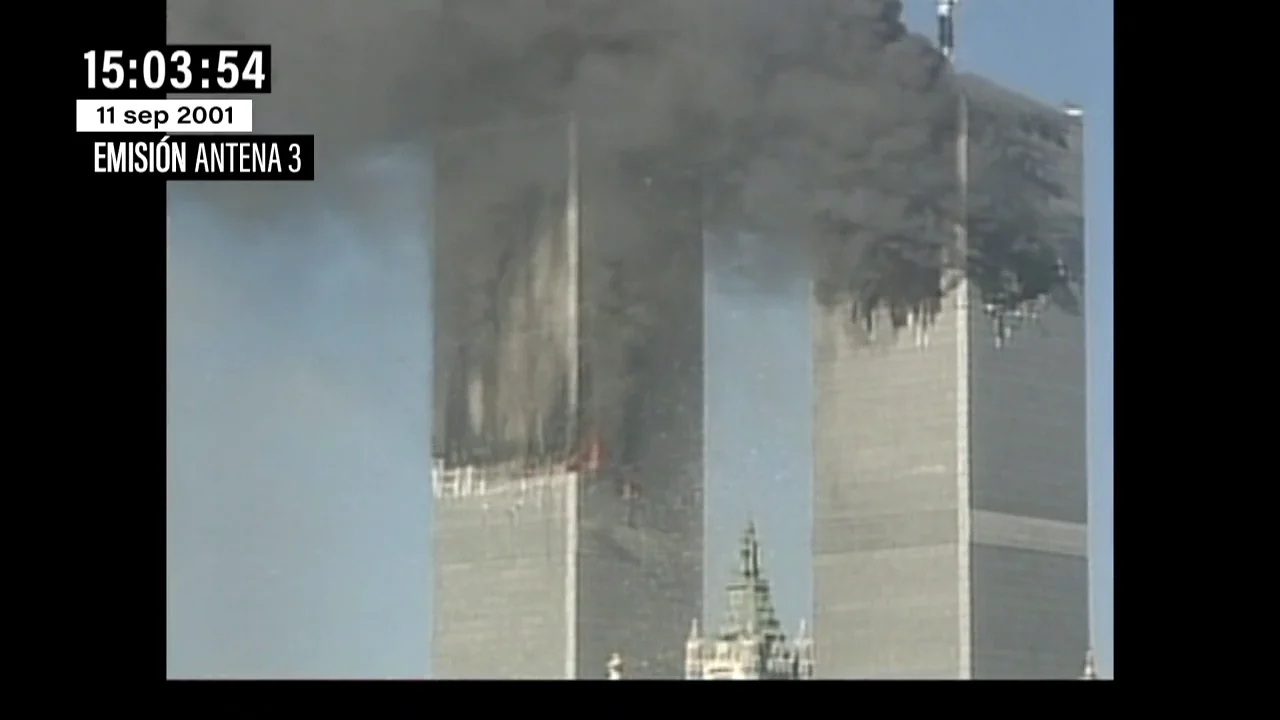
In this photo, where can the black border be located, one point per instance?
(1199, 292)
(112, 341)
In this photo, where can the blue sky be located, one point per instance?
(299, 366)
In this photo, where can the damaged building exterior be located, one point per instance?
(568, 466)
(950, 509)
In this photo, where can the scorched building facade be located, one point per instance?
(568, 427)
(950, 469)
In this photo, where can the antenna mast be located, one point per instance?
(573, 236)
(947, 43)
(946, 27)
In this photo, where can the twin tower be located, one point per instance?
(949, 485)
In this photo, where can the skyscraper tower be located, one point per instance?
(568, 456)
(950, 505)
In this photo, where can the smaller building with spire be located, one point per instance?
(750, 645)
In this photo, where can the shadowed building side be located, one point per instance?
(568, 517)
(641, 539)
(1028, 468)
(949, 468)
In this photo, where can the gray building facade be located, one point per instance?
(950, 530)
(568, 441)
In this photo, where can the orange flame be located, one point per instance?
(589, 458)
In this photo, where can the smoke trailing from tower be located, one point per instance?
(823, 126)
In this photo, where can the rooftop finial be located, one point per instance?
(1090, 666)
(694, 633)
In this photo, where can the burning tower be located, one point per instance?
(568, 459)
(949, 460)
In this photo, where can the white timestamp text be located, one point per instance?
(165, 115)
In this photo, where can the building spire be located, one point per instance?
(750, 553)
(751, 644)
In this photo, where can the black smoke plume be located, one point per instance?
(821, 124)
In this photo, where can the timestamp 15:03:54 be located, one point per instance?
(174, 71)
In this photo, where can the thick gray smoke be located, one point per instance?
(821, 124)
